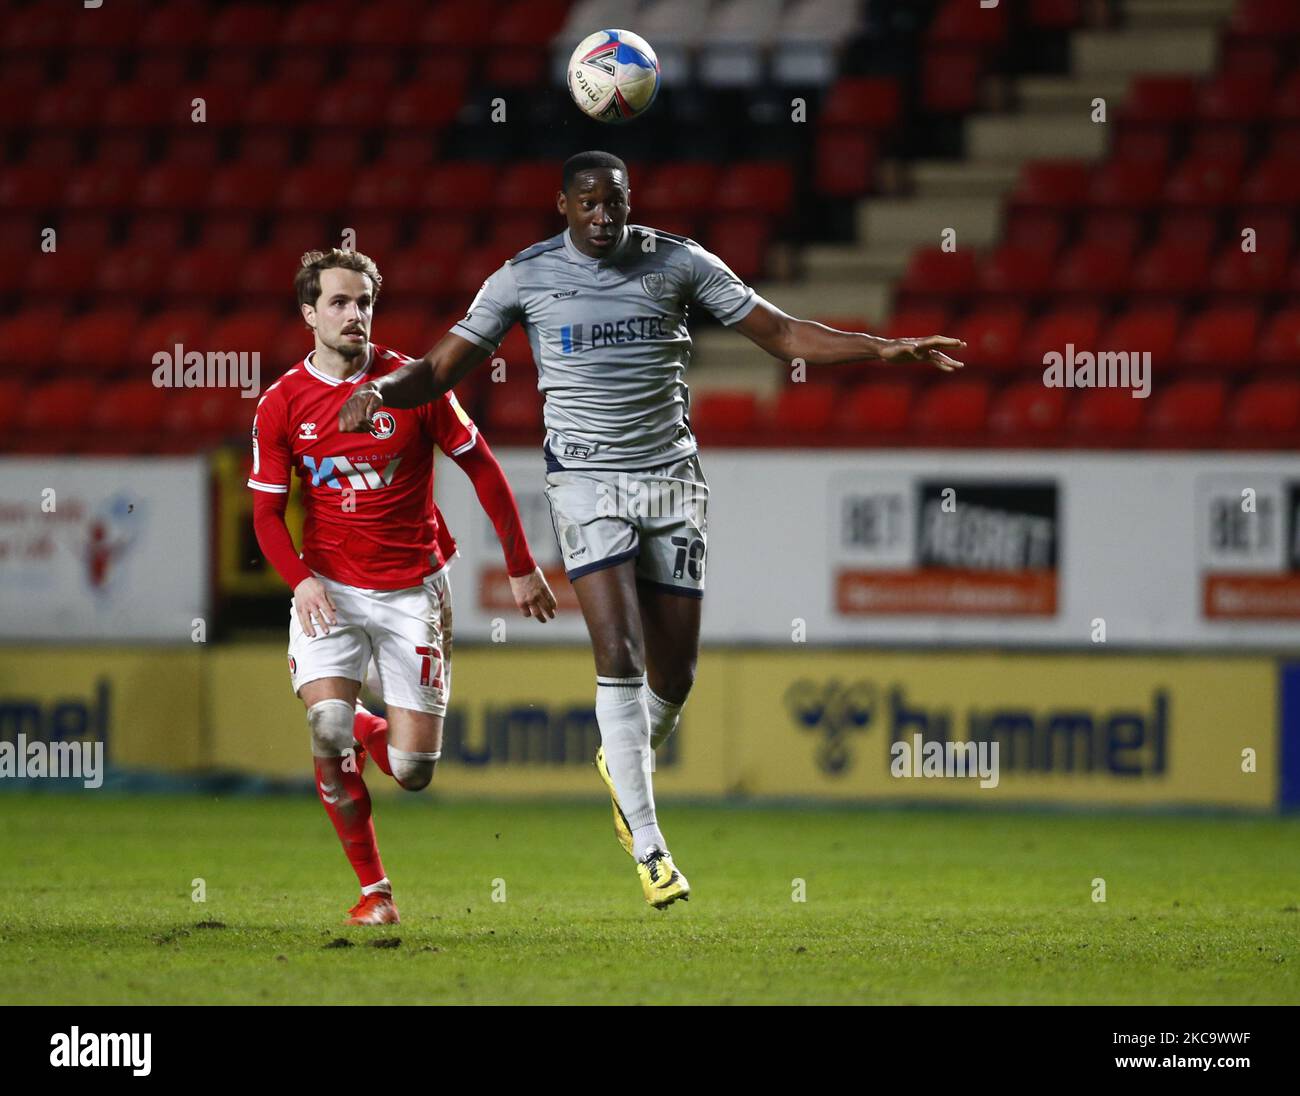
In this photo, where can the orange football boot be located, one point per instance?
(374, 909)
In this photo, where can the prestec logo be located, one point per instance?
(835, 711)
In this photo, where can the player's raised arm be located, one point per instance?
(787, 338)
(416, 383)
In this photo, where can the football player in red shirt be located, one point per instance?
(372, 578)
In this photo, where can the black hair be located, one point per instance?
(585, 161)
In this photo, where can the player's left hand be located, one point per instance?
(533, 596)
(929, 349)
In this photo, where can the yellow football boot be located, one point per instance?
(621, 829)
(662, 883)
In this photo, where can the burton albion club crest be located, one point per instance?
(653, 284)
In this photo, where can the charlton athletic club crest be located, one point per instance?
(382, 425)
(653, 284)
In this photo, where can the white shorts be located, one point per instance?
(407, 632)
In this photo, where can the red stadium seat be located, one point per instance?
(722, 416)
(512, 233)
(240, 25)
(62, 273)
(683, 187)
(1268, 19)
(963, 24)
(951, 412)
(131, 273)
(803, 412)
(187, 327)
(1188, 413)
(138, 106)
(1126, 184)
(1112, 228)
(1267, 413)
(1274, 182)
(177, 25)
(1171, 268)
(1220, 338)
(862, 102)
(452, 24)
(950, 78)
(350, 104)
(293, 342)
(98, 342)
(461, 188)
(1056, 14)
(62, 406)
(245, 332)
(845, 163)
(875, 411)
(1241, 98)
(1092, 269)
(203, 273)
(442, 237)
(244, 186)
(1203, 181)
(410, 330)
(387, 22)
(307, 189)
(130, 407)
(1279, 343)
(1227, 143)
(180, 187)
(31, 334)
(228, 233)
(1014, 271)
(1104, 417)
(70, 105)
(514, 410)
(1188, 228)
(1248, 273)
(529, 186)
(84, 231)
(381, 187)
(284, 103)
(1058, 184)
(1079, 326)
(742, 243)
(1027, 413)
(265, 274)
(36, 188)
(992, 336)
(411, 279)
(426, 105)
(908, 323)
(934, 272)
(1166, 100)
(1148, 329)
(323, 23)
(756, 187)
(1041, 230)
(307, 232)
(101, 187)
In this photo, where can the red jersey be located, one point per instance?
(371, 520)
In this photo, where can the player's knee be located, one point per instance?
(621, 657)
(331, 727)
(412, 770)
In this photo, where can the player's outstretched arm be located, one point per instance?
(414, 384)
(528, 585)
(787, 338)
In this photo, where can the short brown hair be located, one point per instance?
(306, 282)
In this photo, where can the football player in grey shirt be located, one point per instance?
(604, 305)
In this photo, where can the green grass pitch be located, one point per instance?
(901, 906)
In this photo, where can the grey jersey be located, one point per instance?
(609, 339)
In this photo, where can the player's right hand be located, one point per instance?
(354, 418)
(312, 601)
(533, 596)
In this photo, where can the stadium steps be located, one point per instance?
(1177, 13)
(1148, 51)
(733, 364)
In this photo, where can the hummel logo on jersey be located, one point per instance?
(565, 293)
(307, 431)
(360, 475)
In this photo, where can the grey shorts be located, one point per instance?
(658, 517)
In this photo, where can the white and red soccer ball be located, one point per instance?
(613, 75)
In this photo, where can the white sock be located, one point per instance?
(624, 724)
(383, 885)
(663, 717)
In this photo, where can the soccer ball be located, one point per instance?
(613, 75)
